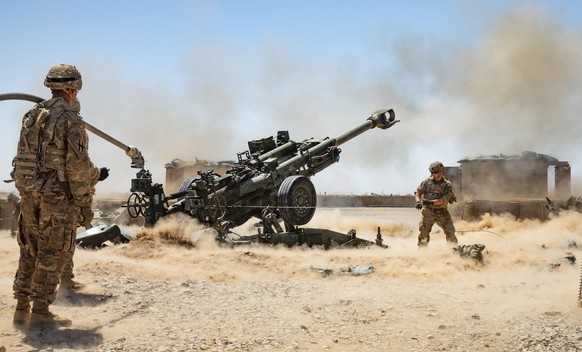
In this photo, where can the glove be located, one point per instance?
(103, 173)
(418, 205)
(85, 216)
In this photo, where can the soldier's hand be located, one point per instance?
(103, 173)
(418, 205)
(86, 216)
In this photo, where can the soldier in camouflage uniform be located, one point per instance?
(432, 196)
(53, 174)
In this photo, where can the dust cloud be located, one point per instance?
(514, 89)
(517, 252)
(182, 288)
(512, 248)
(522, 83)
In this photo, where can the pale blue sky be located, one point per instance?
(187, 79)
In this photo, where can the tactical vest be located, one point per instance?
(434, 189)
(37, 151)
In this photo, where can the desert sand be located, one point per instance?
(155, 295)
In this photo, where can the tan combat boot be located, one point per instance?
(41, 317)
(70, 284)
(21, 314)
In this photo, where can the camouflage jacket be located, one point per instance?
(52, 154)
(431, 189)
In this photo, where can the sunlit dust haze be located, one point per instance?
(514, 87)
(513, 248)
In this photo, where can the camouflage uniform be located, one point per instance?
(429, 190)
(68, 275)
(53, 174)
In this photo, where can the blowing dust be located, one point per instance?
(516, 253)
(179, 286)
(522, 74)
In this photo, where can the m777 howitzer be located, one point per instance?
(269, 182)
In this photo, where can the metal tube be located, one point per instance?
(130, 151)
(377, 119)
(354, 132)
(279, 150)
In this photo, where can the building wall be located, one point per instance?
(175, 175)
(504, 179)
(453, 174)
(563, 181)
(374, 200)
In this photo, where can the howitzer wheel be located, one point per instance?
(135, 205)
(296, 200)
(216, 207)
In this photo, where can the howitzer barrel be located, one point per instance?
(382, 118)
(377, 119)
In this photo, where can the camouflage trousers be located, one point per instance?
(46, 233)
(68, 267)
(441, 217)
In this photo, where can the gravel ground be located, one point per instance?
(150, 295)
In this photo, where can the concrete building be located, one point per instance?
(518, 184)
(177, 171)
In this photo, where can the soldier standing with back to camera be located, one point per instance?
(53, 174)
(432, 196)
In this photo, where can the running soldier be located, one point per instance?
(432, 196)
(53, 174)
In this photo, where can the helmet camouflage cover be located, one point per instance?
(63, 76)
(437, 166)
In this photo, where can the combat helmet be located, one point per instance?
(63, 76)
(437, 166)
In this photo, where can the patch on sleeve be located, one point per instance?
(77, 144)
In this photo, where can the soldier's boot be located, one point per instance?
(70, 284)
(21, 313)
(452, 240)
(423, 241)
(42, 317)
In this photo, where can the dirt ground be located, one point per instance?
(148, 295)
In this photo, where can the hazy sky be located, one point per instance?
(198, 79)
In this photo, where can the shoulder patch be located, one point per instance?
(77, 143)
